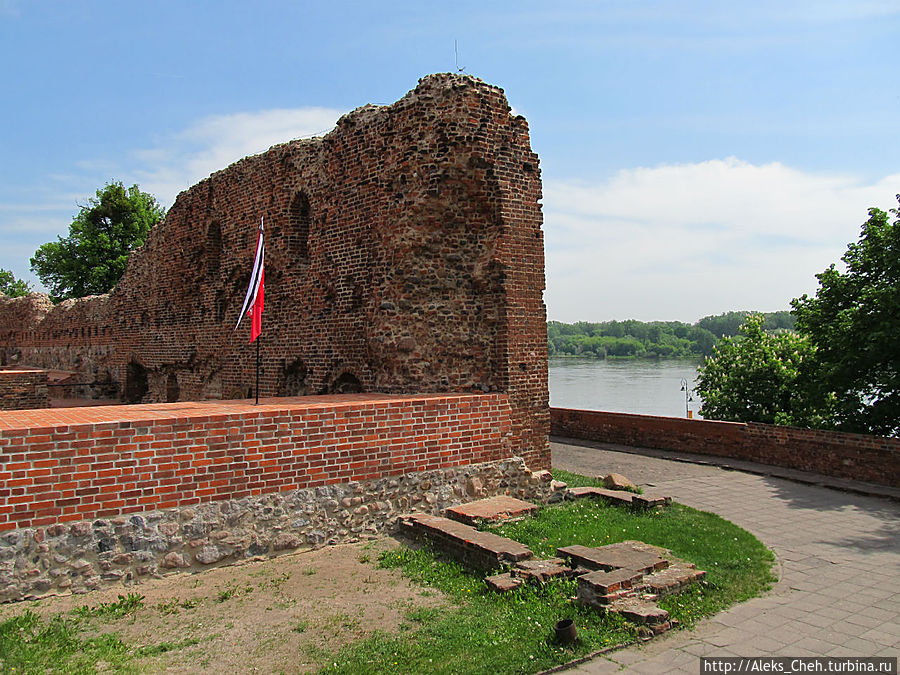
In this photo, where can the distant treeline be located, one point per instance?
(667, 339)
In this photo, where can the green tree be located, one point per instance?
(765, 377)
(92, 258)
(854, 321)
(12, 287)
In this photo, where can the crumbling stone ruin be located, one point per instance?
(404, 255)
(625, 578)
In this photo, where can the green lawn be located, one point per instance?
(484, 632)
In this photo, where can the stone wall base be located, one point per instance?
(82, 556)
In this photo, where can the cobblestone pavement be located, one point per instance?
(838, 562)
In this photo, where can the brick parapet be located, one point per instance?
(59, 466)
(872, 459)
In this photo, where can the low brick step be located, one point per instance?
(606, 583)
(643, 612)
(621, 497)
(530, 571)
(491, 510)
(631, 555)
(679, 574)
(539, 571)
(478, 550)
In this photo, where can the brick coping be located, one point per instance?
(218, 409)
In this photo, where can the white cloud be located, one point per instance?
(681, 241)
(173, 164)
(179, 161)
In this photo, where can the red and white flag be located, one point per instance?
(253, 302)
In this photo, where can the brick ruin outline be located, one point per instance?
(404, 255)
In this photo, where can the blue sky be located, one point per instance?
(697, 157)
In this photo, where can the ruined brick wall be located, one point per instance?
(872, 459)
(404, 254)
(23, 389)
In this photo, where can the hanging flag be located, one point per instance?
(253, 302)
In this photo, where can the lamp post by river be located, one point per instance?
(687, 397)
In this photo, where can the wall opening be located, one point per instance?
(213, 253)
(172, 389)
(346, 383)
(136, 386)
(293, 379)
(298, 234)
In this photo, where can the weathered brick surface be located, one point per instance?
(404, 255)
(479, 550)
(23, 389)
(632, 555)
(503, 583)
(629, 577)
(622, 497)
(541, 571)
(74, 464)
(492, 510)
(852, 456)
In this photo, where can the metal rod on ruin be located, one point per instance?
(258, 340)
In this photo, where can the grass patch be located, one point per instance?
(737, 564)
(483, 632)
(69, 643)
(29, 644)
(126, 604)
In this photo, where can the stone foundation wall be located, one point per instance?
(861, 457)
(23, 389)
(83, 555)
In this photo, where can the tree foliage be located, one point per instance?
(854, 322)
(653, 339)
(629, 338)
(842, 367)
(761, 376)
(92, 258)
(12, 287)
(729, 324)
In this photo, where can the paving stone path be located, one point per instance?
(838, 559)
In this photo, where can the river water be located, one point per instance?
(644, 386)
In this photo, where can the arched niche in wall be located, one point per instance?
(136, 385)
(293, 378)
(213, 249)
(172, 388)
(346, 383)
(298, 227)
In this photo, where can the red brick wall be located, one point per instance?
(78, 464)
(404, 254)
(23, 389)
(853, 456)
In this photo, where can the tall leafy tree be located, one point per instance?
(854, 321)
(92, 258)
(12, 287)
(761, 376)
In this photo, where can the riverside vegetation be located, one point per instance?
(654, 339)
